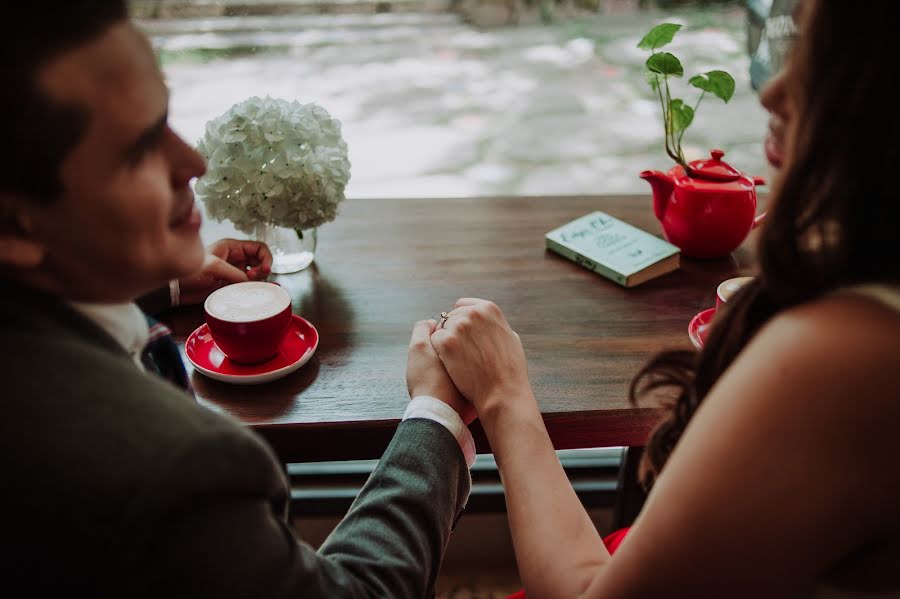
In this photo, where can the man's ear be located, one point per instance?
(19, 248)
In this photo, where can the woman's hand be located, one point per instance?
(483, 355)
(425, 374)
(227, 261)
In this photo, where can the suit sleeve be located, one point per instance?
(213, 524)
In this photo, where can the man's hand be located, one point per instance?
(227, 261)
(425, 375)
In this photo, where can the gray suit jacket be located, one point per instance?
(115, 483)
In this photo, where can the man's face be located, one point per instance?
(126, 222)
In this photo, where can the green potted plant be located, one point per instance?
(678, 114)
(706, 207)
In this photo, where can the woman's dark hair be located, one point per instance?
(36, 131)
(835, 216)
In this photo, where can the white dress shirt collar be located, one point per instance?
(123, 322)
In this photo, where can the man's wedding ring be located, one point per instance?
(444, 317)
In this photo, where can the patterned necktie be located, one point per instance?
(162, 358)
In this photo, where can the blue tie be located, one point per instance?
(161, 356)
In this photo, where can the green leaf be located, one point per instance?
(659, 36)
(664, 63)
(652, 79)
(719, 83)
(682, 115)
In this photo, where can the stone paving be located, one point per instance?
(432, 107)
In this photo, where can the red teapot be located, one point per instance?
(709, 213)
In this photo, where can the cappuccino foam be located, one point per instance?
(247, 302)
(731, 286)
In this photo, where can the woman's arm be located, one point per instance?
(557, 546)
(779, 477)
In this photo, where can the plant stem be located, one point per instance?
(675, 150)
(681, 135)
(662, 105)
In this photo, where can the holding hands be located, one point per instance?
(479, 353)
(425, 375)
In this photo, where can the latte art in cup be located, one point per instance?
(248, 320)
(247, 302)
(728, 288)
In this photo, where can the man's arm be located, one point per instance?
(395, 533)
(214, 524)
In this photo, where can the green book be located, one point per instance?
(614, 249)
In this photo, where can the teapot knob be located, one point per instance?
(717, 154)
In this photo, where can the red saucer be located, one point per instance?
(298, 347)
(699, 327)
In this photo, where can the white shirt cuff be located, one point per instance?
(436, 410)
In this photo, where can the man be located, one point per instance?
(116, 482)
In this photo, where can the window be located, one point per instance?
(433, 106)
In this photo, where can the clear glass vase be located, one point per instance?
(292, 250)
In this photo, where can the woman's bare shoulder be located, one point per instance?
(838, 356)
(859, 333)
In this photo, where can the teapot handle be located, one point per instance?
(759, 219)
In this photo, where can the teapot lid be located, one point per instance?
(715, 169)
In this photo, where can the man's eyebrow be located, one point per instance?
(148, 137)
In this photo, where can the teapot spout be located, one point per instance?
(662, 185)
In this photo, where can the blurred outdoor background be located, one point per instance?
(444, 98)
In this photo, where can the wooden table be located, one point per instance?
(383, 264)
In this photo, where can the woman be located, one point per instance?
(784, 483)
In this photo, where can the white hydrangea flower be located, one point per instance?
(273, 161)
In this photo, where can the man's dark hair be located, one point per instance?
(36, 132)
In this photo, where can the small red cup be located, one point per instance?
(248, 322)
(729, 287)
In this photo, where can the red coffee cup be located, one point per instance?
(248, 320)
(729, 287)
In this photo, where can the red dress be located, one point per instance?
(612, 542)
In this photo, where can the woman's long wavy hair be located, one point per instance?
(834, 218)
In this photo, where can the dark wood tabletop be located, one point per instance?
(383, 264)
